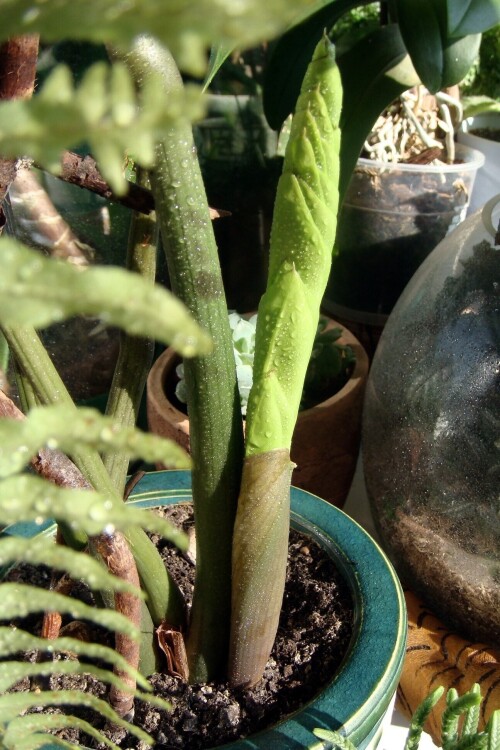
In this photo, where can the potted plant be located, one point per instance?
(325, 443)
(409, 46)
(480, 130)
(241, 503)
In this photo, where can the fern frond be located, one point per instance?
(26, 497)
(14, 640)
(104, 111)
(60, 427)
(12, 704)
(39, 291)
(493, 730)
(187, 28)
(456, 706)
(420, 717)
(41, 550)
(21, 600)
(25, 732)
(471, 718)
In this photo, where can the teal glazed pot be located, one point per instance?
(361, 692)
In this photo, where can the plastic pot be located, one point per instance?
(392, 217)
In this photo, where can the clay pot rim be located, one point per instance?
(161, 369)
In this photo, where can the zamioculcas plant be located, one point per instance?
(138, 103)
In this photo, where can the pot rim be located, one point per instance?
(473, 160)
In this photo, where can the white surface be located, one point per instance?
(358, 507)
(487, 183)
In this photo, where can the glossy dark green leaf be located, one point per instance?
(368, 89)
(472, 16)
(439, 59)
(290, 57)
(419, 22)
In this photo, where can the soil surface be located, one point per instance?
(314, 632)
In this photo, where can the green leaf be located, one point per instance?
(338, 740)
(289, 59)
(455, 706)
(42, 550)
(187, 28)
(12, 704)
(14, 671)
(38, 740)
(302, 237)
(20, 600)
(368, 89)
(64, 428)
(104, 111)
(218, 55)
(419, 718)
(27, 497)
(471, 718)
(439, 60)
(477, 105)
(39, 291)
(493, 730)
(25, 730)
(13, 640)
(472, 16)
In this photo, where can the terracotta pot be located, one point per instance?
(326, 440)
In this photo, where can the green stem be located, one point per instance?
(136, 354)
(165, 602)
(33, 360)
(213, 403)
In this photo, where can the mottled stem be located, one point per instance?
(213, 402)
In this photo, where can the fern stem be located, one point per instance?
(213, 403)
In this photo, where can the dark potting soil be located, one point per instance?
(314, 633)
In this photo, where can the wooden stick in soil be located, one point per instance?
(18, 57)
(114, 551)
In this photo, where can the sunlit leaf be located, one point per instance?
(64, 428)
(42, 550)
(478, 105)
(27, 497)
(12, 704)
(38, 291)
(187, 28)
(104, 111)
(13, 640)
(20, 600)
